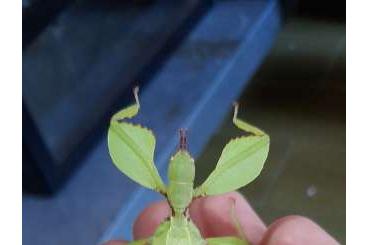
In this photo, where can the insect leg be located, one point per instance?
(243, 125)
(235, 220)
(141, 242)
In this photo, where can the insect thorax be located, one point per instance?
(181, 177)
(179, 231)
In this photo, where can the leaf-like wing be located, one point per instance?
(132, 148)
(241, 161)
(229, 240)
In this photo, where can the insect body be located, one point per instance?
(132, 147)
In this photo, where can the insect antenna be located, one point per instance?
(183, 145)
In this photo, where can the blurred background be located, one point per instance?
(299, 100)
(284, 61)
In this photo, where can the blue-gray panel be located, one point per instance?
(75, 70)
(194, 89)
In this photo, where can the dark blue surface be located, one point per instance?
(76, 70)
(194, 89)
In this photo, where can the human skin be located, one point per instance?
(212, 216)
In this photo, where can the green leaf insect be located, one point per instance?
(132, 147)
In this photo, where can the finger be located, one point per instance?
(299, 230)
(147, 222)
(213, 217)
(115, 243)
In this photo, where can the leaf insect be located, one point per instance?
(132, 147)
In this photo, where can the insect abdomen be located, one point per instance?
(181, 176)
(180, 194)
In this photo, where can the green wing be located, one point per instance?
(241, 161)
(229, 240)
(132, 148)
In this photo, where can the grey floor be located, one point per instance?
(298, 98)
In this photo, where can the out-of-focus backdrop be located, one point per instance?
(300, 102)
(284, 61)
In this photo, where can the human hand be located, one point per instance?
(212, 216)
